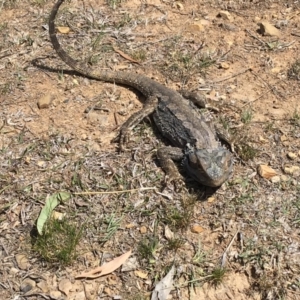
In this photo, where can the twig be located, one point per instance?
(231, 76)
(224, 256)
(255, 37)
(259, 97)
(295, 34)
(116, 192)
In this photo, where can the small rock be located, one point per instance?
(276, 70)
(41, 164)
(229, 27)
(284, 178)
(195, 27)
(168, 233)
(130, 225)
(143, 229)
(63, 29)
(141, 274)
(44, 101)
(196, 228)
(65, 286)
(13, 271)
(93, 117)
(55, 295)
(275, 179)
(27, 285)
(43, 286)
(266, 171)
(268, 30)
(22, 261)
(224, 65)
(291, 170)
(107, 291)
(211, 199)
(292, 155)
(262, 139)
(283, 138)
(225, 15)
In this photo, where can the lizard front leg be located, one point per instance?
(148, 108)
(167, 156)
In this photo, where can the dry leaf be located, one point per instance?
(168, 233)
(124, 55)
(106, 268)
(164, 287)
(62, 29)
(140, 274)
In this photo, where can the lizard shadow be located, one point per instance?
(202, 191)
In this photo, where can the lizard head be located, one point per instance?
(210, 167)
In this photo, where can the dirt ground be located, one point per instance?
(240, 241)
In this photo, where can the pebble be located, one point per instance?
(27, 285)
(44, 101)
(292, 155)
(275, 179)
(143, 229)
(196, 228)
(291, 170)
(225, 15)
(22, 261)
(266, 171)
(268, 30)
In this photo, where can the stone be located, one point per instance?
(266, 171)
(27, 285)
(44, 101)
(196, 228)
(269, 30)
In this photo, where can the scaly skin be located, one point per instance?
(193, 138)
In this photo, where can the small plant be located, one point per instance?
(199, 256)
(246, 116)
(148, 247)
(246, 152)
(175, 244)
(139, 55)
(217, 276)
(113, 3)
(294, 70)
(113, 225)
(295, 120)
(180, 218)
(58, 241)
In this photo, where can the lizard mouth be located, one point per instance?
(209, 167)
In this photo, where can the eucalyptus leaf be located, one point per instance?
(51, 202)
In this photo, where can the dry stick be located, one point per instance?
(116, 192)
(255, 37)
(231, 76)
(224, 256)
(267, 84)
(259, 97)
(295, 34)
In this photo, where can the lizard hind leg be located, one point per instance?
(148, 108)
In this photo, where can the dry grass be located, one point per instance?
(251, 219)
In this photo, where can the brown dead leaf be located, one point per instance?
(106, 268)
(124, 55)
(62, 29)
(141, 274)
